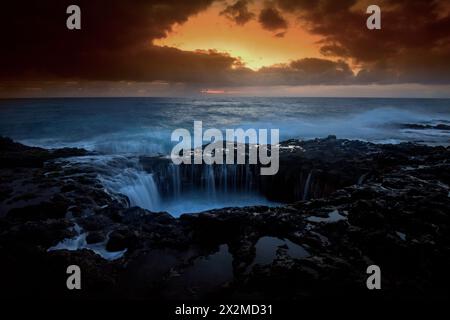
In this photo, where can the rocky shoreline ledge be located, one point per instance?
(387, 205)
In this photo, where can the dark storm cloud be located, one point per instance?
(412, 46)
(306, 71)
(115, 38)
(238, 12)
(115, 43)
(271, 19)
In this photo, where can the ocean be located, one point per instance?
(120, 130)
(144, 125)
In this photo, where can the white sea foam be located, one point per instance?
(78, 242)
(144, 126)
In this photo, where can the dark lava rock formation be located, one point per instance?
(366, 204)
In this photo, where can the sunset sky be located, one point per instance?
(225, 47)
(255, 46)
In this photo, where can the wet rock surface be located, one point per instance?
(365, 204)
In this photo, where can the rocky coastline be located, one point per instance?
(346, 205)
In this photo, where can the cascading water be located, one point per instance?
(177, 189)
(140, 188)
(156, 184)
(176, 180)
(192, 188)
(306, 188)
(123, 175)
(210, 181)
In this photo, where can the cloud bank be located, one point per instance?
(115, 43)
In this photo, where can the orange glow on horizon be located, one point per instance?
(213, 91)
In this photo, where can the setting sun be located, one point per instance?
(254, 46)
